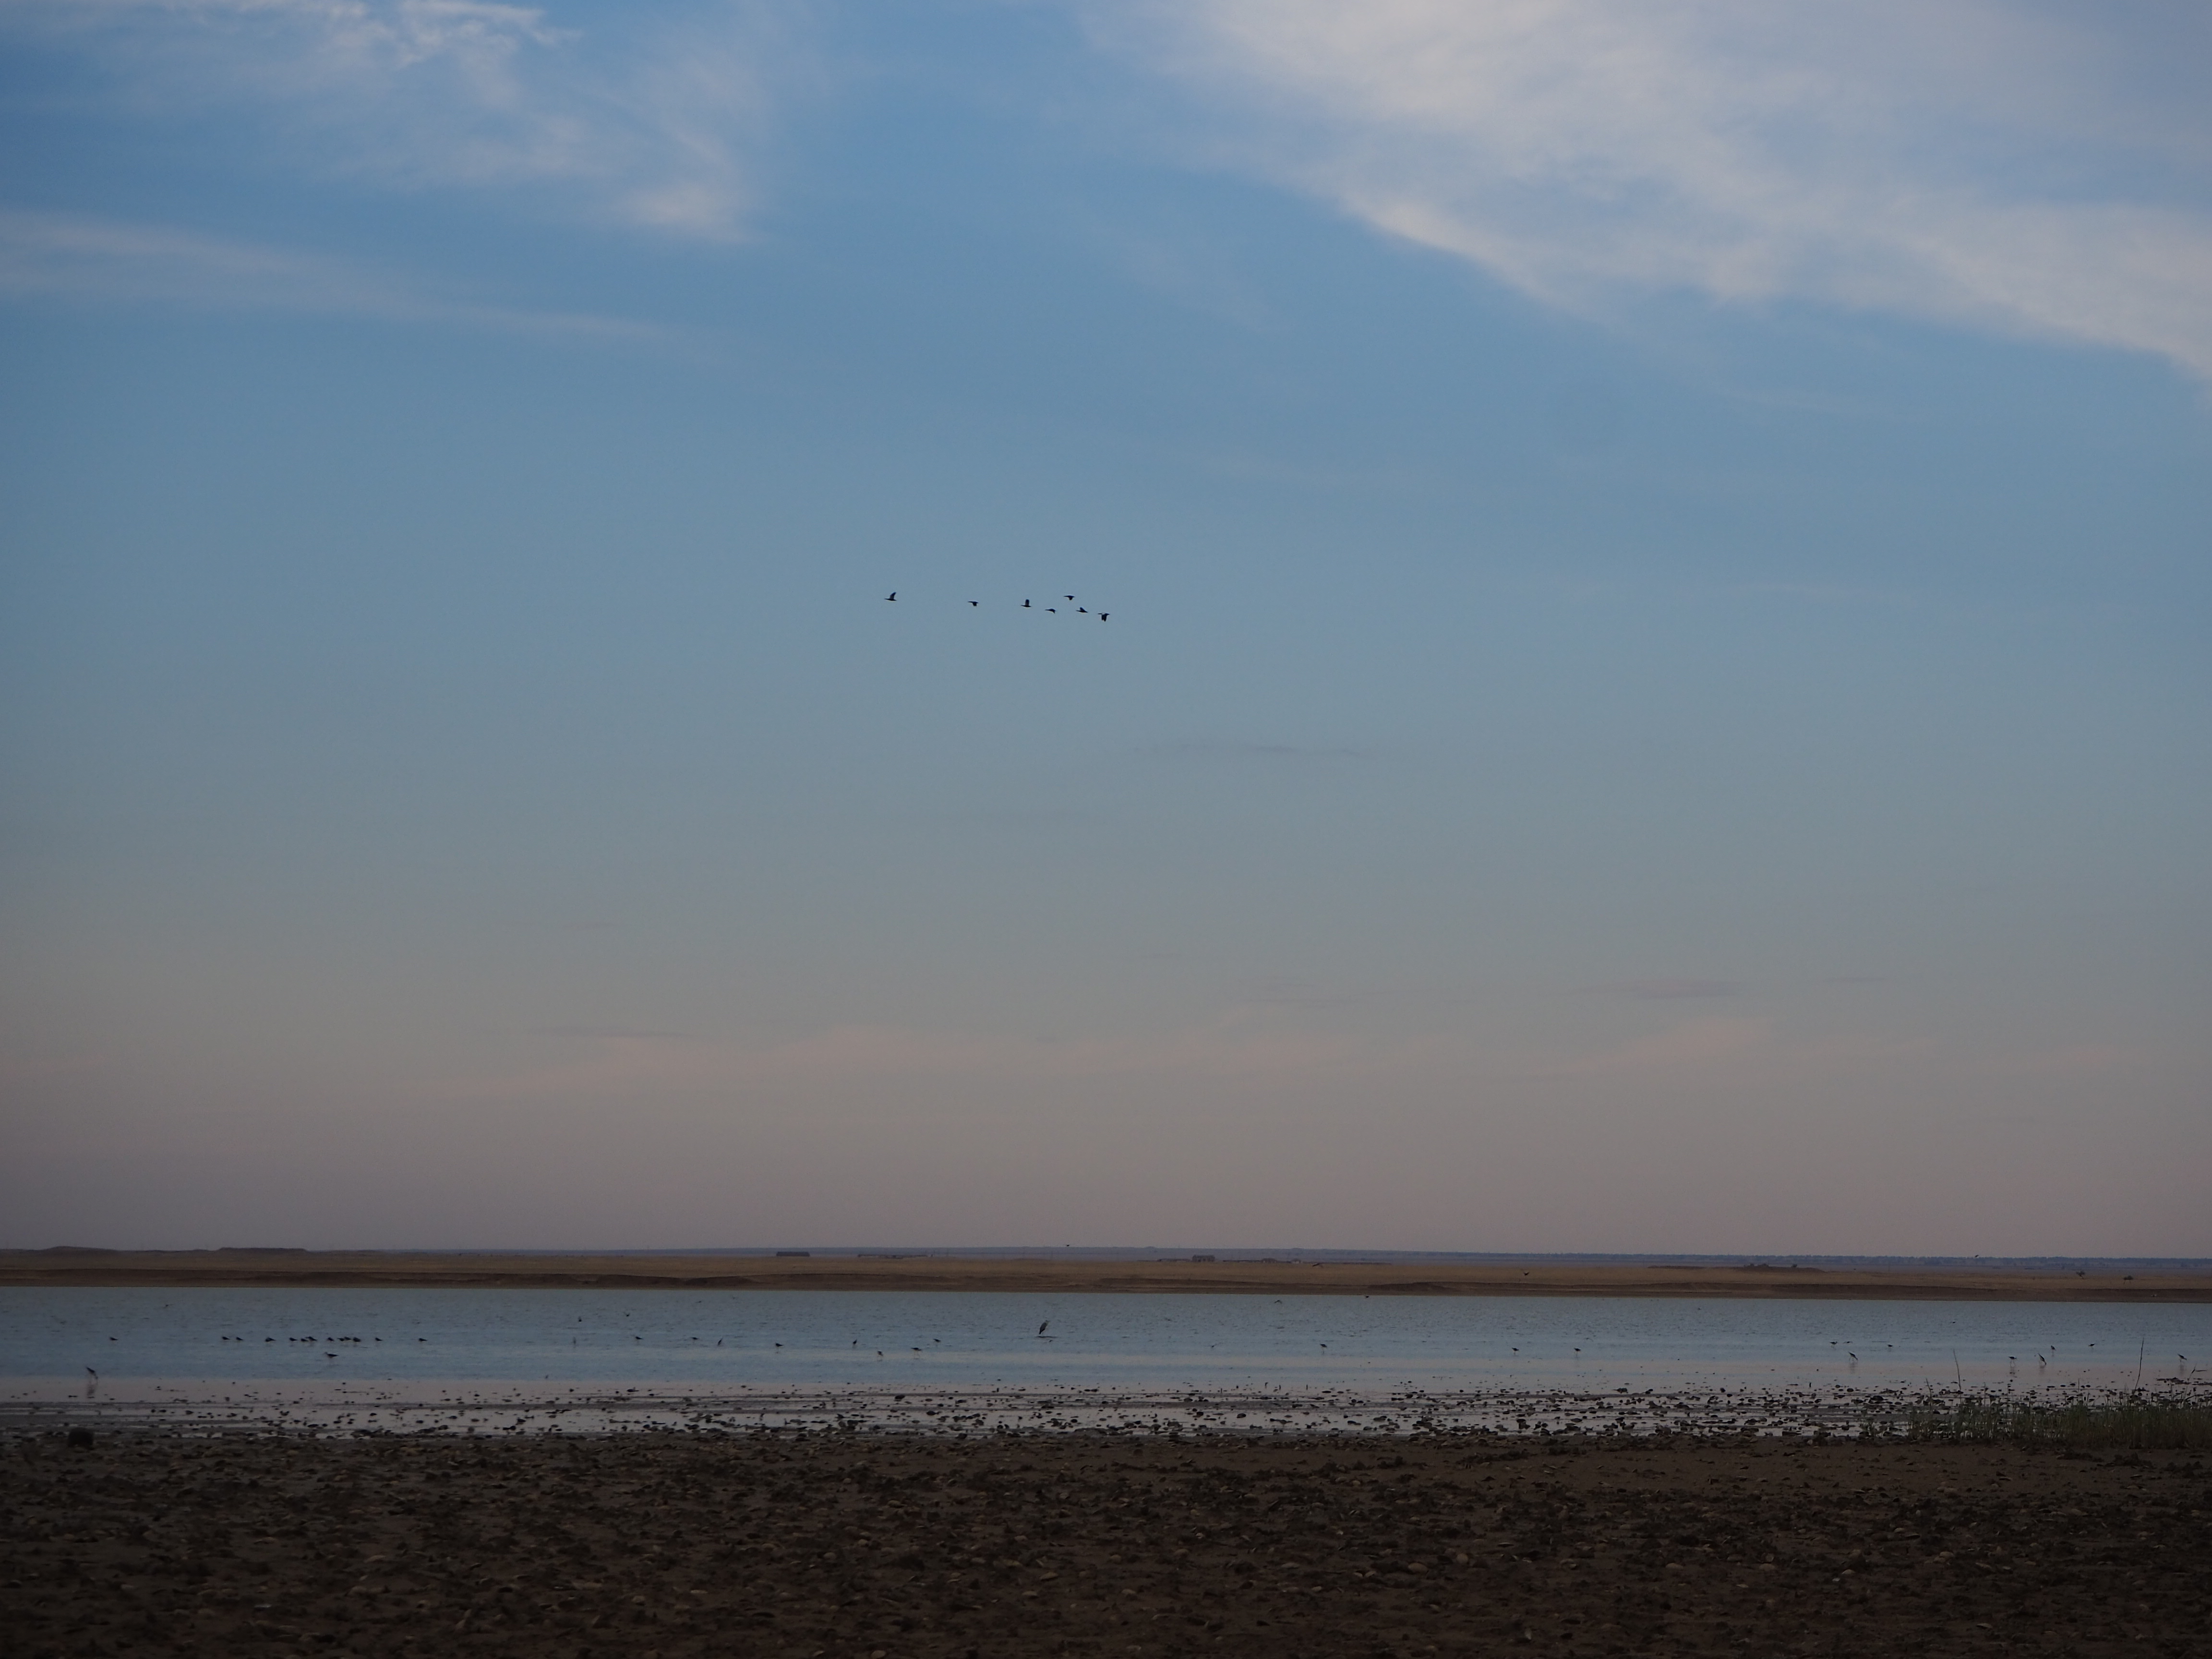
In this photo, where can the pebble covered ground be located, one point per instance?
(881, 1545)
(526, 1408)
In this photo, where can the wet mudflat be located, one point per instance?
(865, 1544)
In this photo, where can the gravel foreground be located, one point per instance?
(885, 1546)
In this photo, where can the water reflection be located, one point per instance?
(936, 1341)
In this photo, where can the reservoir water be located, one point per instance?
(253, 1354)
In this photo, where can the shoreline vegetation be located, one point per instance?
(2134, 1422)
(1044, 1274)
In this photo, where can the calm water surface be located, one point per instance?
(733, 1342)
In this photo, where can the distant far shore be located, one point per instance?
(1043, 1274)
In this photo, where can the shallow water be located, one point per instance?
(315, 1340)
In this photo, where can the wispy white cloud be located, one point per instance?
(2041, 167)
(658, 124)
(81, 258)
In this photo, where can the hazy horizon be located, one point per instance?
(1338, 1254)
(1654, 694)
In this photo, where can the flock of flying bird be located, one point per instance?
(891, 598)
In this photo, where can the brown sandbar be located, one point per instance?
(1045, 1275)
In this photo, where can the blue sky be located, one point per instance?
(1656, 696)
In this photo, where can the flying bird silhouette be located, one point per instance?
(972, 604)
(1040, 1327)
(1025, 605)
(891, 595)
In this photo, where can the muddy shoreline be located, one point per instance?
(1010, 1545)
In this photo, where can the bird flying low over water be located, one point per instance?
(892, 594)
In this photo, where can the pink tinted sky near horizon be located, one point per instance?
(1656, 697)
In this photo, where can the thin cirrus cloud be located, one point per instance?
(656, 126)
(2039, 168)
(82, 258)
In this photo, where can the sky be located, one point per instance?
(1615, 655)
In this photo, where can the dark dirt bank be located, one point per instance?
(863, 1546)
(1237, 1277)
